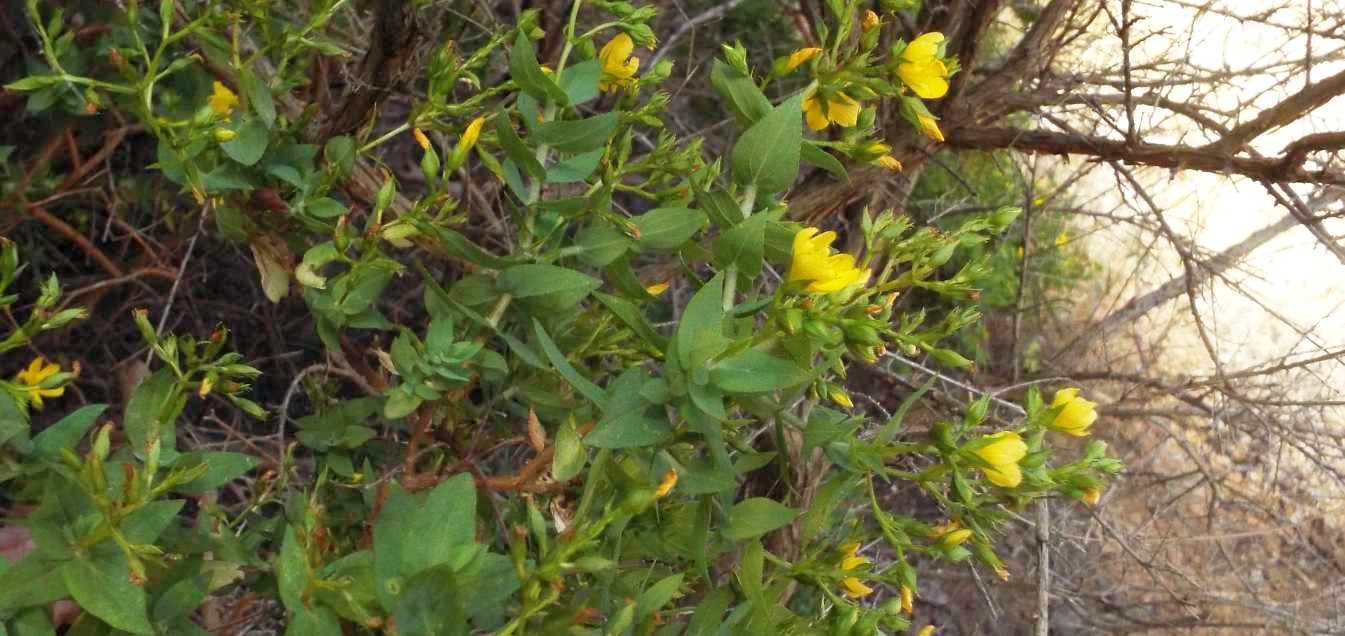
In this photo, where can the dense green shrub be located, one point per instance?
(693, 464)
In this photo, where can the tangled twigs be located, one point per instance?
(85, 245)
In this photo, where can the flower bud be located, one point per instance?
(224, 134)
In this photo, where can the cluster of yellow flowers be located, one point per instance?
(1076, 415)
(850, 560)
(920, 68)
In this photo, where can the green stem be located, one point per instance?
(731, 272)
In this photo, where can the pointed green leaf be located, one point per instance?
(767, 155)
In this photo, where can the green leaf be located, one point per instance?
(443, 524)
(104, 589)
(570, 454)
(515, 149)
(754, 517)
(814, 154)
(32, 582)
(580, 383)
(259, 97)
(181, 598)
(221, 468)
(578, 135)
(33, 82)
(709, 614)
(547, 286)
(630, 314)
(576, 168)
(630, 428)
(13, 422)
(743, 246)
(700, 334)
(668, 228)
(656, 596)
(431, 605)
(602, 244)
(248, 144)
(527, 73)
(755, 371)
(746, 101)
(291, 571)
(340, 152)
(767, 155)
(580, 82)
(325, 208)
(147, 405)
(67, 432)
(458, 246)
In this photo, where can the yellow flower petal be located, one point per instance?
(855, 588)
(618, 66)
(666, 486)
(850, 563)
(421, 139)
(814, 114)
(843, 111)
(470, 135)
(222, 101)
(930, 127)
(656, 289)
(1003, 454)
(825, 272)
(38, 371)
(1076, 414)
(923, 48)
(907, 600)
(799, 57)
(927, 79)
(1092, 496)
(927, 630)
(889, 162)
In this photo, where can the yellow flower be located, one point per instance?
(1061, 239)
(855, 588)
(223, 100)
(1076, 414)
(1091, 496)
(1003, 453)
(930, 127)
(927, 630)
(470, 135)
(666, 486)
(921, 69)
(39, 370)
(618, 66)
(421, 138)
(907, 600)
(799, 57)
(952, 534)
(890, 162)
(656, 289)
(814, 262)
(870, 21)
(852, 559)
(840, 109)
